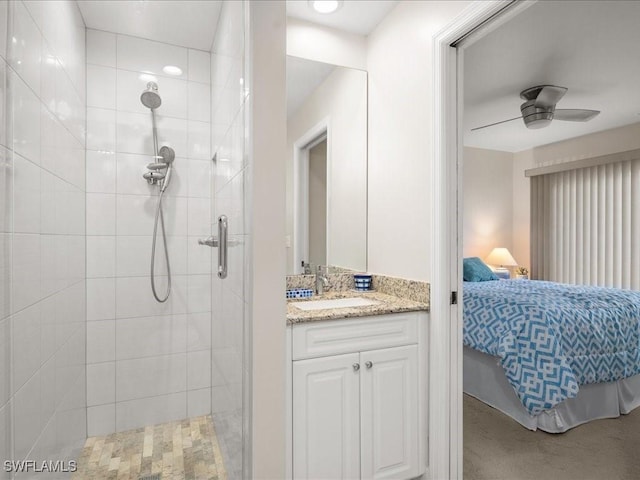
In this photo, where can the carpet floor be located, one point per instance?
(498, 448)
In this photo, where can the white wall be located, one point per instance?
(147, 362)
(325, 44)
(266, 196)
(593, 145)
(42, 304)
(342, 100)
(399, 62)
(488, 202)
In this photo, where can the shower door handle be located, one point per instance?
(222, 246)
(209, 242)
(222, 243)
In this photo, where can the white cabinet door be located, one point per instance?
(389, 413)
(326, 418)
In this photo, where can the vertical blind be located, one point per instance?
(585, 225)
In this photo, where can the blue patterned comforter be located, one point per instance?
(552, 337)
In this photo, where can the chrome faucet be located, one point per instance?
(322, 281)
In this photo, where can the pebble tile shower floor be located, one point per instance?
(183, 449)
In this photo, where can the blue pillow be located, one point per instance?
(475, 270)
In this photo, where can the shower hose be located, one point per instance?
(160, 215)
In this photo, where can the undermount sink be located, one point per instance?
(336, 303)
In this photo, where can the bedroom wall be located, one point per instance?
(602, 143)
(488, 188)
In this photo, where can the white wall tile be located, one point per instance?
(199, 216)
(101, 214)
(26, 50)
(199, 402)
(151, 336)
(25, 271)
(101, 87)
(133, 255)
(101, 48)
(26, 200)
(173, 133)
(222, 399)
(3, 52)
(101, 346)
(101, 172)
(198, 369)
(142, 55)
(199, 66)
(199, 102)
(101, 129)
(200, 257)
(101, 256)
(101, 420)
(26, 327)
(199, 293)
(26, 119)
(135, 214)
(101, 383)
(27, 419)
(198, 331)
(135, 133)
(136, 300)
(131, 168)
(151, 376)
(199, 140)
(200, 179)
(101, 299)
(150, 411)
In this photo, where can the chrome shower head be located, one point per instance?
(150, 97)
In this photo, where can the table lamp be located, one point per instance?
(500, 258)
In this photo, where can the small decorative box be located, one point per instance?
(299, 293)
(362, 281)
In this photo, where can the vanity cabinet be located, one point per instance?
(356, 398)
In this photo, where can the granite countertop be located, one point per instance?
(388, 304)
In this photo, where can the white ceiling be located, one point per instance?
(186, 23)
(303, 77)
(355, 16)
(589, 47)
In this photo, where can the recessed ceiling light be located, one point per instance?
(147, 77)
(172, 70)
(325, 6)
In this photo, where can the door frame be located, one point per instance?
(301, 147)
(445, 348)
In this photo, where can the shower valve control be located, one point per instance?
(210, 242)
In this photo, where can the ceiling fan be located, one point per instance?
(539, 108)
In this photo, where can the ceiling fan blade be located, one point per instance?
(574, 114)
(549, 96)
(497, 123)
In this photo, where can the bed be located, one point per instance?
(552, 356)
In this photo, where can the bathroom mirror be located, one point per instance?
(326, 165)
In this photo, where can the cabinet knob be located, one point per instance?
(369, 364)
(356, 367)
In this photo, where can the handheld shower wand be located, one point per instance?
(163, 160)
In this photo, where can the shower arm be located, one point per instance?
(155, 135)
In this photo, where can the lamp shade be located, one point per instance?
(501, 257)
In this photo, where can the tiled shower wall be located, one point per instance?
(229, 111)
(147, 362)
(42, 225)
